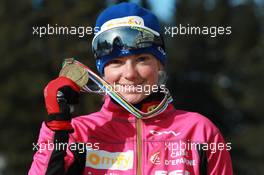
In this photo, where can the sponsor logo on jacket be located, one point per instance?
(180, 157)
(158, 133)
(100, 159)
(155, 158)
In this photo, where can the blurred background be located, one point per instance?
(221, 77)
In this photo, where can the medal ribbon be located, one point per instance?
(108, 89)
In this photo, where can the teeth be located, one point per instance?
(129, 84)
(127, 88)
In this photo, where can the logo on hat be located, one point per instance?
(125, 21)
(162, 51)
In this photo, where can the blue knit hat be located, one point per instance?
(128, 14)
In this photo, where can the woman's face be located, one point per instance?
(132, 75)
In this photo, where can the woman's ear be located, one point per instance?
(160, 67)
(162, 77)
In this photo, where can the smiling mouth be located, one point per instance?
(128, 88)
(130, 85)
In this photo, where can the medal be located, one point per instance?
(75, 72)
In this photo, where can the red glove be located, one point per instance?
(60, 94)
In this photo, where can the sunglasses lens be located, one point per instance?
(123, 38)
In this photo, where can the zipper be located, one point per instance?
(139, 146)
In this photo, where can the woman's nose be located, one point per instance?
(130, 72)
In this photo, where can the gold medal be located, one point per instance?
(75, 72)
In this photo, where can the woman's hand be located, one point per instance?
(60, 94)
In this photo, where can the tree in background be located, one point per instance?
(29, 63)
(222, 77)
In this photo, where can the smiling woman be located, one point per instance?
(130, 72)
(134, 132)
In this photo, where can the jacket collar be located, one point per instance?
(145, 105)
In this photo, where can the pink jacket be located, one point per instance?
(173, 143)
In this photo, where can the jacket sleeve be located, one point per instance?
(51, 159)
(218, 157)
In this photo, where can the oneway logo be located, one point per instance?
(153, 132)
(100, 159)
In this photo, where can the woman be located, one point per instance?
(130, 56)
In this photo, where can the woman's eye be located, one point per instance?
(115, 62)
(142, 59)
